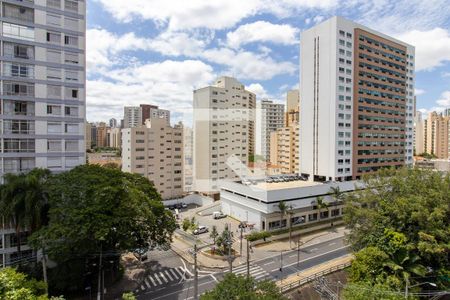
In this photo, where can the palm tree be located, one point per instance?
(403, 264)
(337, 195)
(283, 208)
(321, 205)
(24, 201)
(290, 213)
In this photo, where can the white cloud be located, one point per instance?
(104, 46)
(432, 47)
(444, 99)
(318, 19)
(419, 92)
(262, 31)
(217, 14)
(248, 65)
(446, 74)
(167, 83)
(259, 90)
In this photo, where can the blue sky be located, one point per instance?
(159, 51)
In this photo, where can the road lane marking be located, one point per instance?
(314, 249)
(331, 244)
(270, 262)
(152, 280)
(157, 278)
(146, 283)
(215, 279)
(163, 277)
(189, 272)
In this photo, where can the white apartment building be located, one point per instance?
(223, 124)
(188, 159)
(132, 116)
(156, 151)
(114, 137)
(419, 130)
(43, 100)
(357, 101)
(269, 117)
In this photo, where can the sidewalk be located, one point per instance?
(315, 270)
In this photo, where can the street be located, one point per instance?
(182, 287)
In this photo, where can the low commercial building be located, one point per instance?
(441, 165)
(257, 202)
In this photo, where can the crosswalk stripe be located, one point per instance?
(146, 283)
(152, 280)
(174, 274)
(142, 287)
(179, 272)
(157, 278)
(163, 277)
(168, 275)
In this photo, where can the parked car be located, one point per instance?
(183, 205)
(218, 215)
(201, 229)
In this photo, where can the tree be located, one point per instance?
(99, 211)
(290, 213)
(186, 224)
(258, 235)
(128, 296)
(404, 214)
(24, 201)
(214, 234)
(16, 286)
(239, 287)
(321, 204)
(282, 207)
(361, 290)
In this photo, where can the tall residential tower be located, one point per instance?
(269, 117)
(357, 91)
(42, 116)
(224, 124)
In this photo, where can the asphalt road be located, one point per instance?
(267, 268)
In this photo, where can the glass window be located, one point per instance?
(71, 24)
(13, 50)
(18, 31)
(54, 3)
(71, 75)
(53, 20)
(72, 162)
(53, 73)
(71, 58)
(54, 37)
(71, 146)
(71, 40)
(71, 128)
(54, 162)
(71, 5)
(54, 146)
(20, 13)
(53, 56)
(53, 127)
(18, 70)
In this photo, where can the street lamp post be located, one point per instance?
(407, 286)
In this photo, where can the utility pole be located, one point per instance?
(242, 229)
(195, 274)
(99, 291)
(298, 252)
(230, 243)
(44, 269)
(248, 259)
(281, 265)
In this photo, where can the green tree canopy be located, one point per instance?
(403, 218)
(97, 210)
(16, 286)
(234, 287)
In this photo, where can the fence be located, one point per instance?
(286, 288)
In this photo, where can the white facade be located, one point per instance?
(327, 83)
(132, 116)
(223, 126)
(258, 204)
(419, 131)
(269, 117)
(43, 100)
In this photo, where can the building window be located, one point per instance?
(53, 73)
(19, 145)
(18, 89)
(71, 128)
(54, 110)
(53, 56)
(53, 20)
(54, 146)
(71, 24)
(71, 5)
(54, 37)
(18, 31)
(71, 58)
(18, 70)
(54, 3)
(53, 127)
(54, 162)
(20, 13)
(71, 76)
(71, 40)
(12, 50)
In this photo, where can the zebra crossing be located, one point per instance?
(163, 277)
(256, 272)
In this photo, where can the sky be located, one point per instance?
(159, 51)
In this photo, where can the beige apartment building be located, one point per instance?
(88, 136)
(102, 137)
(292, 108)
(284, 142)
(223, 125)
(156, 152)
(436, 131)
(114, 136)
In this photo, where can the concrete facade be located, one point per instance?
(156, 151)
(114, 136)
(284, 153)
(419, 130)
(43, 101)
(132, 116)
(357, 101)
(436, 132)
(269, 117)
(223, 125)
(257, 204)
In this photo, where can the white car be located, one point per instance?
(218, 215)
(201, 229)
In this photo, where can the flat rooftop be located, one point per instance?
(284, 185)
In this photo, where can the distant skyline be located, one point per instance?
(158, 52)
